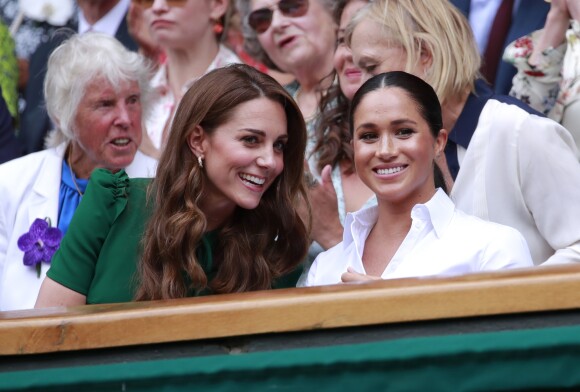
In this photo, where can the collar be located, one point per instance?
(109, 23)
(467, 122)
(160, 80)
(438, 212)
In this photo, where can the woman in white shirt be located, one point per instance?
(414, 230)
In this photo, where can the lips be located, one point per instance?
(385, 171)
(285, 41)
(253, 181)
(352, 73)
(122, 143)
(161, 23)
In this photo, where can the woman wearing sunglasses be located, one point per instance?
(188, 32)
(297, 37)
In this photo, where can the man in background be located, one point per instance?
(496, 23)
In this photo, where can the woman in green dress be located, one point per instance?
(219, 217)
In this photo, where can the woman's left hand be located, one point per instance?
(351, 276)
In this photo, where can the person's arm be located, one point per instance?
(54, 294)
(554, 32)
(507, 249)
(549, 174)
(73, 265)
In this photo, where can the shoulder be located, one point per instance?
(494, 246)
(501, 108)
(226, 56)
(506, 116)
(482, 230)
(21, 171)
(29, 160)
(116, 186)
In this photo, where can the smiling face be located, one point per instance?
(374, 53)
(349, 75)
(107, 131)
(394, 148)
(297, 44)
(244, 156)
(175, 26)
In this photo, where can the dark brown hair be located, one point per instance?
(255, 246)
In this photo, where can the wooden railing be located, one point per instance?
(384, 302)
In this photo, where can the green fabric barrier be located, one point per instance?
(545, 359)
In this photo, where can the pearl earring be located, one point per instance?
(200, 161)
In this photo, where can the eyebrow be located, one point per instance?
(365, 58)
(394, 122)
(403, 121)
(260, 132)
(252, 130)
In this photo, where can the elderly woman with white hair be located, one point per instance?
(96, 93)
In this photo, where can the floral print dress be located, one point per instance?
(553, 87)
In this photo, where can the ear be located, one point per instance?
(218, 8)
(440, 142)
(196, 141)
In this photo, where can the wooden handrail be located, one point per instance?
(382, 302)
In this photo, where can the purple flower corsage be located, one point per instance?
(40, 243)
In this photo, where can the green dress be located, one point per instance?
(99, 254)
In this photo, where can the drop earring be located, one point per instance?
(218, 28)
(200, 161)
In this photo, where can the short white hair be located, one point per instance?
(77, 62)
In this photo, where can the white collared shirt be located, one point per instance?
(442, 241)
(108, 24)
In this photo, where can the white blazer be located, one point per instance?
(29, 189)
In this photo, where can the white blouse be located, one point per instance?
(442, 241)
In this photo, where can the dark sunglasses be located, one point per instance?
(261, 19)
(170, 3)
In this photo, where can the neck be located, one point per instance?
(94, 10)
(189, 63)
(452, 108)
(312, 77)
(216, 213)
(309, 94)
(80, 165)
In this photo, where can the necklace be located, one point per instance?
(72, 175)
(307, 116)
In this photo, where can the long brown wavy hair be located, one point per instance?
(255, 246)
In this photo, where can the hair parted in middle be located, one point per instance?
(420, 92)
(255, 246)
